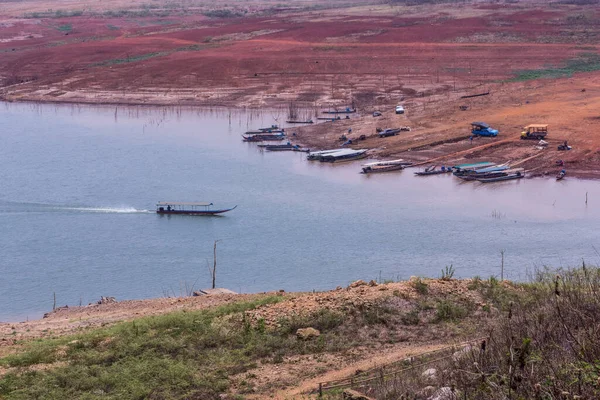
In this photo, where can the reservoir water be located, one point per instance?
(78, 185)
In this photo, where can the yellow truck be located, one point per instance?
(534, 131)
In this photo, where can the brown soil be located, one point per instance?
(294, 375)
(374, 56)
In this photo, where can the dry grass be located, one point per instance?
(543, 345)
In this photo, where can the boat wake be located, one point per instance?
(109, 210)
(11, 207)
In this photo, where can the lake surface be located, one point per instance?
(79, 185)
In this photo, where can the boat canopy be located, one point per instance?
(493, 168)
(474, 165)
(180, 203)
(320, 152)
(390, 162)
(481, 125)
(345, 152)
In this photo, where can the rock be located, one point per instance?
(372, 283)
(429, 373)
(350, 394)
(338, 288)
(427, 391)
(358, 283)
(444, 393)
(106, 300)
(307, 333)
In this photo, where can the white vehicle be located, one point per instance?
(399, 110)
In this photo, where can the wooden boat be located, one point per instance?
(310, 121)
(348, 110)
(316, 155)
(517, 175)
(185, 208)
(329, 119)
(432, 171)
(473, 166)
(284, 147)
(481, 170)
(263, 138)
(492, 174)
(344, 155)
(561, 174)
(270, 129)
(267, 132)
(385, 166)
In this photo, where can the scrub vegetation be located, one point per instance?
(542, 345)
(540, 342)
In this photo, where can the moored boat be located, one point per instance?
(432, 171)
(188, 208)
(517, 175)
(491, 174)
(344, 155)
(472, 166)
(310, 121)
(561, 174)
(348, 110)
(261, 138)
(491, 167)
(316, 155)
(267, 132)
(270, 129)
(284, 147)
(482, 171)
(384, 166)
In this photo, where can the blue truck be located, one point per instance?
(482, 129)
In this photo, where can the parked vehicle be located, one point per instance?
(482, 129)
(563, 147)
(389, 132)
(399, 109)
(534, 131)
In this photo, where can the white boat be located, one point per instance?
(344, 155)
(385, 166)
(316, 155)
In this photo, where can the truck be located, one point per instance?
(535, 132)
(482, 129)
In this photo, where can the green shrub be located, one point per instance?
(449, 311)
(420, 286)
(447, 273)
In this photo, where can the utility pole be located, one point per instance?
(214, 271)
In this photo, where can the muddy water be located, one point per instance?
(79, 186)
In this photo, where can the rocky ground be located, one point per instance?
(295, 375)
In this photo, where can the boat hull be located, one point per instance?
(438, 172)
(370, 170)
(500, 179)
(340, 160)
(193, 212)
